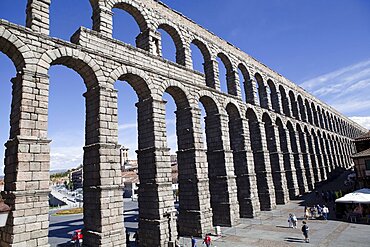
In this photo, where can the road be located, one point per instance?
(61, 227)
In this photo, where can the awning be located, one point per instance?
(359, 196)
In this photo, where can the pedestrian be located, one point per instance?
(325, 212)
(294, 221)
(207, 240)
(305, 229)
(290, 221)
(193, 242)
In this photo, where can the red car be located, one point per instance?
(76, 239)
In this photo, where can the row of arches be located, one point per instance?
(241, 80)
(240, 173)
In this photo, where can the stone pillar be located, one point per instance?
(27, 162)
(38, 15)
(157, 220)
(265, 100)
(278, 103)
(246, 179)
(289, 168)
(306, 160)
(324, 156)
(300, 171)
(277, 165)
(102, 19)
(251, 91)
(150, 40)
(266, 190)
(222, 180)
(329, 155)
(102, 184)
(233, 86)
(195, 213)
(314, 168)
(320, 159)
(212, 74)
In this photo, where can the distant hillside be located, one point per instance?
(57, 171)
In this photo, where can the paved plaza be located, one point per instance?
(271, 228)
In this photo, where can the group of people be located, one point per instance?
(207, 241)
(316, 212)
(292, 222)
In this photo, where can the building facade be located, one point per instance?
(278, 143)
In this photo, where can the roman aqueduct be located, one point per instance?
(278, 143)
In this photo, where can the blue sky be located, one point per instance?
(321, 45)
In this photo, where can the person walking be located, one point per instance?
(193, 242)
(294, 221)
(325, 212)
(290, 221)
(207, 240)
(305, 229)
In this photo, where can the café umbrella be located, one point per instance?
(359, 196)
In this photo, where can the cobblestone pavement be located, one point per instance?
(271, 228)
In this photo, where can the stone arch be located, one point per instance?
(275, 159)
(217, 163)
(311, 152)
(314, 113)
(308, 111)
(320, 117)
(294, 142)
(17, 51)
(230, 74)
(248, 84)
(288, 160)
(177, 39)
(102, 18)
(274, 96)
(75, 59)
(260, 165)
(285, 101)
(323, 151)
(207, 65)
(137, 79)
(305, 158)
(329, 154)
(302, 108)
(294, 105)
(319, 154)
(262, 91)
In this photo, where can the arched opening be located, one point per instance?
(129, 25)
(128, 144)
(262, 92)
(309, 112)
(288, 160)
(302, 109)
(66, 17)
(263, 186)
(320, 118)
(314, 113)
(319, 155)
(294, 105)
(70, 137)
(284, 101)
(301, 178)
(237, 142)
(170, 45)
(328, 152)
(217, 170)
(183, 126)
(226, 75)
(201, 59)
(274, 160)
(247, 85)
(324, 154)
(313, 158)
(305, 158)
(274, 96)
(7, 72)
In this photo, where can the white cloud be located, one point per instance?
(363, 121)
(346, 89)
(127, 126)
